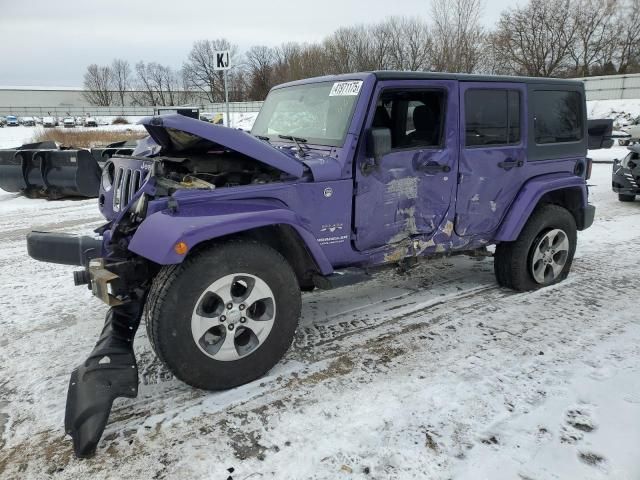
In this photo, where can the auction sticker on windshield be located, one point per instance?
(340, 89)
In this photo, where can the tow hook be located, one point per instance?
(109, 372)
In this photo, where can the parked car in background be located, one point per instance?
(28, 121)
(90, 122)
(12, 121)
(626, 175)
(49, 122)
(69, 122)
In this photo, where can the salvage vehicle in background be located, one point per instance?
(12, 121)
(626, 175)
(90, 122)
(69, 122)
(213, 232)
(28, 121)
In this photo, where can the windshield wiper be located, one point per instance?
(297, 141)
(262, 137)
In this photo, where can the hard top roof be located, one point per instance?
(466, 77)
(462, 77)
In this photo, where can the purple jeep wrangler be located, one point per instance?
(213, 232)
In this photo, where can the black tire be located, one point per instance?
(512, 260)
(626, 198)
(173, 297)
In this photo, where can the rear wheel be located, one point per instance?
(626, 198)
(225, 316)
(543, 253)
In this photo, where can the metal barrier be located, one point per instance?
(612, 87)
(113, 111)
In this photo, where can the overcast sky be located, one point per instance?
(50, 43)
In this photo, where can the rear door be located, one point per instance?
(492, 154)
(409, 191)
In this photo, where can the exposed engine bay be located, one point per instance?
(212, 170)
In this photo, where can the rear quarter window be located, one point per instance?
(558, 116)
(492, 117)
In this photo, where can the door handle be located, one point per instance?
(510, 163)
(433, 168)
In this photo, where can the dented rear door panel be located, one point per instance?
(486, 185)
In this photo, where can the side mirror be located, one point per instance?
(378, 145)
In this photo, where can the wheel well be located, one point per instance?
(569, 198)
(285, 240)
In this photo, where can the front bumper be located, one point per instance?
(112, 281)
(624, 182)
(63, 248)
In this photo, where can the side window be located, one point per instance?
(492, 117)
(415, 118)
(558, 116)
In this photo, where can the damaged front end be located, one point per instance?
(180, 154)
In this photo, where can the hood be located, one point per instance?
(225, 137)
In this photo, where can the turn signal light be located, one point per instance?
(181, 248)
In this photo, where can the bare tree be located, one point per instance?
(158, 85)
(410, 44)
(199, 69)
(595, 33)
(260, 68)
(121, 78)
(98, 85)
(458, 39)
(536, 39)
(629, 44)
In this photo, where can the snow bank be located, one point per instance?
(623, 112)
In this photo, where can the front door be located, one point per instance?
(407, 193)
(492, 155)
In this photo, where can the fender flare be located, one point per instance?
(156, 237)
(528, 198)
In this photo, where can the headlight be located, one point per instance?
(107, 175)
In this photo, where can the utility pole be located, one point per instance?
(223, 62)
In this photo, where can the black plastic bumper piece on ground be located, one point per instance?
(63, 249)
(109, 372)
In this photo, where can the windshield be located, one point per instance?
(318, 113)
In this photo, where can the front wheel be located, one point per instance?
(225, 316)
(543, 253)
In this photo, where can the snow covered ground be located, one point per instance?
(11, 137)
(436, 373)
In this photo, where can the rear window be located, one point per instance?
(558, 116)
(492, 117)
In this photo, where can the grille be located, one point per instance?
(127, 183)
(630, 179)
